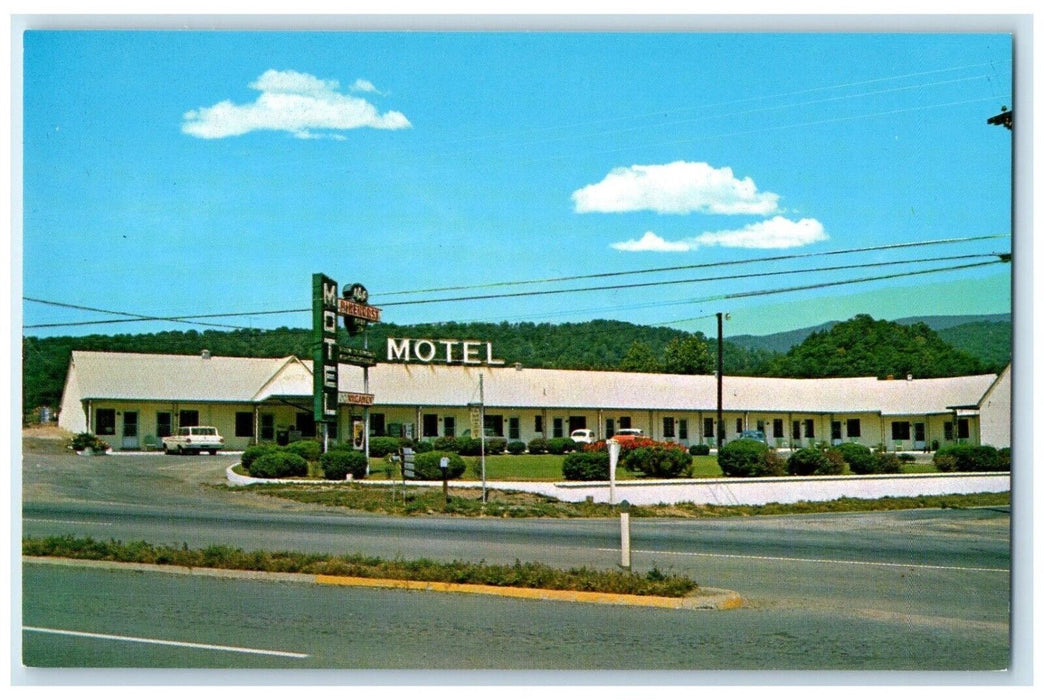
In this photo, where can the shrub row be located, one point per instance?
(972, 458)
(752, 458)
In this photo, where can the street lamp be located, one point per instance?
(721, 370)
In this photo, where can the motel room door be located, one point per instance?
(129, 439)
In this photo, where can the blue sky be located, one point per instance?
(186, 173)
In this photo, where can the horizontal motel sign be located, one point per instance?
(462, 352)
(355, 399)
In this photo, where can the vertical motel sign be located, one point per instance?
(326, 306)
(324, 348)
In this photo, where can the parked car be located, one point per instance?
(583, 435)
(193, 440)
(758, 435)
(628, 434)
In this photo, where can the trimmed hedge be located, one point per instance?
(559, 446)
(426, 466)
(538, 446)
(586, 466)
(701, 450)
(744, 458)
(384, 446)
(254, 451)
(338, 464)
(809, 461)
(279, 465)
(971, 458)
(309, 449)
(516, 447)
(658, 461)
(859, 458)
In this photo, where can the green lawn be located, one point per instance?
(532, 468)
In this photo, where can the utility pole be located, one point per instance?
(721, 368)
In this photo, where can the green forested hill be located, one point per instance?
(863, 347)
(989, 341)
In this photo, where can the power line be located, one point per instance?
(720, 278)
(696, 266)
(133, 317)
(823, 285)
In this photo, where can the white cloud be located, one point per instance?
(651, 242)
(294, 102)
(676, 188)
(778, 232)
(361, 85)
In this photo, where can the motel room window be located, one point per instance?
(683, 428)
(810, 428)
(306, 424)
(514, 428)
(538, 424)
(668, 426)
(164, 424)
(449, 426)
(900, 430)
(187, 419)
(853, 428)
(268, 426)
(430, 425)
(625, 421)
(377, 424)
(245, 424)
(777, 427)
(962, 429)
(708, 427)
(105, 421)
(557, 429)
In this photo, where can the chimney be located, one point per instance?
(205, 354)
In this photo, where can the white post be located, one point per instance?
(625, 540)
(614, 458)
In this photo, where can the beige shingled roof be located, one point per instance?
(124, 375)
(439, 385)
(237, 379)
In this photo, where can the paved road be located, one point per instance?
(913, 589)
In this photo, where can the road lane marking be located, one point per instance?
(166, 642)
(64, 522)
(813, 561)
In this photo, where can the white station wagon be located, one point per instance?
(193, 440)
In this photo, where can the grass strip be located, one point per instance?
(421, 500)
(519, 574)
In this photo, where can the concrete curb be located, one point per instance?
(703, 599)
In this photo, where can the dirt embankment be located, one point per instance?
(45, 439)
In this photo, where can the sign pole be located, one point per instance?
(614, 459)
(482, 433)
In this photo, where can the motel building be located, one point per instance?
(133, 400)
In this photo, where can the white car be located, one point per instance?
(193, 440)
(582, 435)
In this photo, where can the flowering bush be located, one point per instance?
(659, 460)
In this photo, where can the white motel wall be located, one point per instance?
(132, 400)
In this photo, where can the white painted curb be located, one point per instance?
(721, 491)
